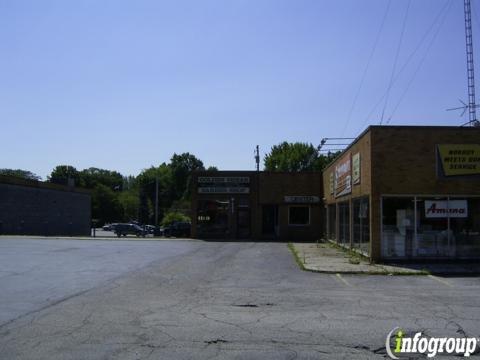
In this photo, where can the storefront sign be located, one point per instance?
(223, 179)
(343, 177)
(223, 190)
(356, 168)
(302, 199)
(459, 159)
(445, 208)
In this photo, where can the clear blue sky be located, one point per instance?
(122, 85)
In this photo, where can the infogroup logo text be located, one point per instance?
(431, 346)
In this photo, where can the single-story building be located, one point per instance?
(257, 205)
(406, 192)
(39, 208)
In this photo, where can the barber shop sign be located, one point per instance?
(446, 208)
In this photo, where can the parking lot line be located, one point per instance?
(342, 279)
(444, 282)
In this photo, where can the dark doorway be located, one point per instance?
(243, 223)
(270, 221)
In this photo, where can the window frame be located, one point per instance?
(299, 206)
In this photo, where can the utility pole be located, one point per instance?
(257, 157)
(156, 201)
(472, 116)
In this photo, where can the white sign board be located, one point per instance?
(445, 208)
(356, 168)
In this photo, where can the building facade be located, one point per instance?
(257, 205)
(37, 208)
(407, 192)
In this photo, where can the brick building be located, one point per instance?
(38, 208)
(407, 192)
(257, 205)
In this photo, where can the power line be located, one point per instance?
(410, 57)
(420, 64)
(377, 38)
(396, 59)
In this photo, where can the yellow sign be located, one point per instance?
(460, 159)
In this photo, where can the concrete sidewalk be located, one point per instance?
(325, 258)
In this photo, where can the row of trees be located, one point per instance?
(118, 198)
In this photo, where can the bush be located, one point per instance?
(172, 217)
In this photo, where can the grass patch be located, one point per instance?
(354, 256)
(294, 251)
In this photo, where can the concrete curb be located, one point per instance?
(340, 254)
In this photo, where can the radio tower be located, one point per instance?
(472, 116)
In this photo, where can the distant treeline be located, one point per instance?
(118, 198)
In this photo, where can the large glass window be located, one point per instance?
(465, 228)
(398, 216)
(212, 218)
(299, 215)
(332, 222)
(435, 227)
(432, 238)
(361, 225)
(344, 223)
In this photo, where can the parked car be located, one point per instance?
(129, 229)
(109, 227)
(150, 229)
(177, 229)
(158, 231)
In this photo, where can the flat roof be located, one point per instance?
(11, 180)
(413, 127)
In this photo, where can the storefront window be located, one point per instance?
(445, 227)
(361, 225)
(299, 215)
(332, 222)
(397, 226)
(344, 223)
(432, 238)
(212, 218)
(465, 228)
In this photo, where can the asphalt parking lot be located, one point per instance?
(92, 299)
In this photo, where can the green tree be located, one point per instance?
(61, 173)
(146, 182)
(295, 157)
(105, 205)
(129, 202)
(18, 173)
(91, 177)
(182, 167)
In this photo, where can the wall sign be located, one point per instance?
(343, 177)
(302, 199)
(223, 179)
(445, 208)
(223, 190)
(356, 168)
(459, 159)
(223, 184)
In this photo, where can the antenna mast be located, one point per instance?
(472, 116)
